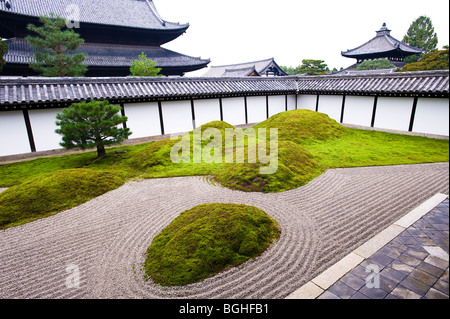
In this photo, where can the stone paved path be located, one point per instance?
(104, 240)
(413, 265)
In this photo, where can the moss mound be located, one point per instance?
(301, 126)
(296, 167)
(206, 240)
(52, 193)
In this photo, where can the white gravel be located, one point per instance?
(107, 237)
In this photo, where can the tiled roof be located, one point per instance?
(108, 54)
(16, 91)
(383, 42)
(423, 83)
(259, 66)
(127, 13)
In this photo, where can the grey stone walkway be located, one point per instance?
(413, 265)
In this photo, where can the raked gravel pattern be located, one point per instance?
(107, 238)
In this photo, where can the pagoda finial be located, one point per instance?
(384, 30)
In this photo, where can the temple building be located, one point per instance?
(116, 32)
(383, 45)
(266, 67)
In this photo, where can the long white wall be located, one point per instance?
(431, 116)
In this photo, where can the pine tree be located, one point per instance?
(54, 46)
(91, 124)
(144, 67)
(421, 35)
(3, 51)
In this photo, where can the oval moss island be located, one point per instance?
(206, 240)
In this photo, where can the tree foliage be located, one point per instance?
(378, 64)
(3, 51)
(421, 35)
(91, 124)
(312, 67)
(436, 60)
(54, 45)
(144, 67)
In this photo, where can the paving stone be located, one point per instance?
(359, 295)
(430, 269)
(328, 295)
(392, 274)
(442, 286)
(373, 293)
(444, 276)
(391, 251)
(380, 259)
(353, 281)
(437, 262)
(409, 260)
(342, 290)
(399, 266)
(435, 294)
(414, 285)
(437, 252)
(360, 271)
(416, 253)
(387, 284)
(423, 277)
(404, 293)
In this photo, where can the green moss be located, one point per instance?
(206, 240)
(52, 193)
(303, 126)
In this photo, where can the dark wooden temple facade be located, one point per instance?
(116, 32)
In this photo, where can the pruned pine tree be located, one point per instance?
(55, 47)
(91, 124)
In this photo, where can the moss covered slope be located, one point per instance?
(206, 240)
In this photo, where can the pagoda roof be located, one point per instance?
(112, 55)
(140, 14)
(244, 69)
(382, 45)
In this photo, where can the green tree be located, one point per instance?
(312, 67)
(421, 35)
(54, 45)
(144, 67)
(378, 64)
(3, 51)
(91, 124)
(436, 60)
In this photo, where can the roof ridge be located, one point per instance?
(225, 65)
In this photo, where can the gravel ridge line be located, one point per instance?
(107, 237)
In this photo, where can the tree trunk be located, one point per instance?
(101, 151)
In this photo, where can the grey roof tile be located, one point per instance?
(140, 14)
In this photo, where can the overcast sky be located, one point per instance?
(235, 31)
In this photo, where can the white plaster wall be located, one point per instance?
(256, 109)
(177, 116)
(291, 102)
(358, 110)
(306, 101)
(143, 119)
(277, 104)
(233, 110)
(331, 105)
(43, 126)
(206, 111)
(432, 116)
(13, 134)
(393, 113)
